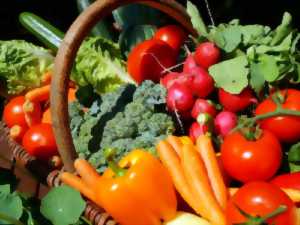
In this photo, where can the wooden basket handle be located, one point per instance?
(66, 56)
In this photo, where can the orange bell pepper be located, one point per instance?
(138, 191)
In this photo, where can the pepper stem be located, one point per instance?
(109, 155)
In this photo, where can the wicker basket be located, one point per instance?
(59, 104)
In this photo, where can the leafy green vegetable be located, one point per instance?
(196, 19)
(22, 65)
(99, 63)
(294, 158)
(62, 205)
(231, 74)
(10, 205)
(125, 119)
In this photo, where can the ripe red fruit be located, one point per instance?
(169, 79)
(197, 130)
(180, 98)
(224, 122)
(207, 54)
(189, 63)
(203, 84)
(236, 102)
(203, 106)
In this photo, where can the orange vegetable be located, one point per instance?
(176, 143)
(208, 155)
(47, 116)
(71, 95)
(130, 195)
(171, 161)
(196, 175)
(46, 78)
(40, 94)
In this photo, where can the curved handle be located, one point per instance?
(66, 56)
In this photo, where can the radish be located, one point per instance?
(203, 84)
(197, 129)
(180, 98)
(207, 54)
(236, 102)
(224, 122)
(169, 79)
(203, 106)
(189, 63)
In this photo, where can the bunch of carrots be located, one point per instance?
(197, 176)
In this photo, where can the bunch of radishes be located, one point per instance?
(189, 93)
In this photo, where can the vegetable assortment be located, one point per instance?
(170, 129)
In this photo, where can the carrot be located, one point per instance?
(88, 174)
(208, 155)
(171, 161)
(40, 94)
(196, 175)
(71, 94)
(294, 194)
(78, 184)
(46, 78)
(176, 144)
(17, 132)
(47, 116)
(32, 113)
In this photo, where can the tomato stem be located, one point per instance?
(109, 155)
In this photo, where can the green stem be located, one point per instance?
(109, 155)
(278, 211)
(85, 220)
(9, 219)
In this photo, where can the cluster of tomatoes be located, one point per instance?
(37, 138)
(253, 160)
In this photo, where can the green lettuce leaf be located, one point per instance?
(99, 63)
(22, 65)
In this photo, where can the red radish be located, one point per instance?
(168, 80)
(180, 98)
(203, 84)
(203, 106)
(197, 129)
(189, 63)
(236, 102)
(224, 122)
(207, 54)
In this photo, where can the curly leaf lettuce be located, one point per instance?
(22, 65)
(99, 63)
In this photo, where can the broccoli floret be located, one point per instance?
(125, 119)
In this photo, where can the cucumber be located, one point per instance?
(42, 30)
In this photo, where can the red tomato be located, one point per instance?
(207, 54)
(238, 102)
(148, 60)
(289, 180)
(260, 199)
(39, 141)
(246, 160)
(13, 112)
(173, 35)
(285, 128)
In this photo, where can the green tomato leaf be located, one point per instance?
(10, 205)
(196, 19)
(62, 205)
(267, 66)
(134, 35)
(231, 75)
(257, 79)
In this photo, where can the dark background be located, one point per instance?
(61, 13)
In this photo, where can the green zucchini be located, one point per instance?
(42, 30)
